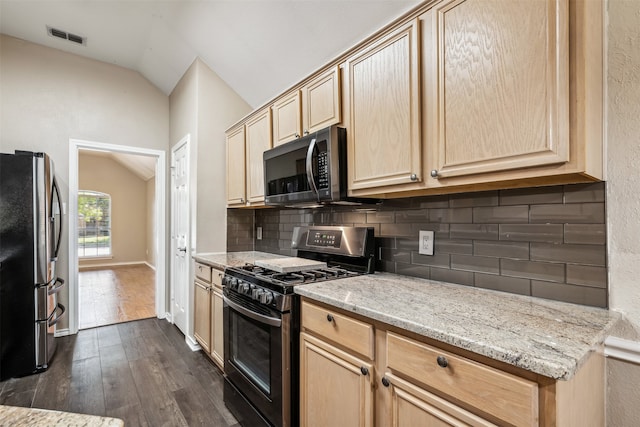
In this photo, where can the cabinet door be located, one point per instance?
(235, 167)
(202, 308)
(499, 79)
(384, 146)
(287, 125)
(412, 406)
(321, 102)
(335, 387)
(217, 344)
(258, 136)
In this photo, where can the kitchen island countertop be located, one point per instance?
(32, 417)
(546, 337)
(221, 260)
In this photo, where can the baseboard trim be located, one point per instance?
(153, 267)
(192, 343)
(111, 264)
(622, 349)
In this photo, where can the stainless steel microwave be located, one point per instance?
(310, 170)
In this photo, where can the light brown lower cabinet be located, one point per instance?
(207, 302)
(359, 372)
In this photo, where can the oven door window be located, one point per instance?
(250, 347)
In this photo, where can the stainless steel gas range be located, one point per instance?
(262, 319)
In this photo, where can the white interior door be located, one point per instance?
(180, 245)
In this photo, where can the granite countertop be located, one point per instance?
(18, 416)
(546, 337)
(221, 260)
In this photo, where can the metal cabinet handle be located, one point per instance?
(364, 370)
(306, 132)
(434, 173)
(442, 361)
(414, 177)
(297, 135)
(386, 382)
(330, 318)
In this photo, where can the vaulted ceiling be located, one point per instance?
(259, 47)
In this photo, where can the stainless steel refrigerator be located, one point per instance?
(30, 231)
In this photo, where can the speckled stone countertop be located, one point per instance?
(546, 337)
(221, 260)
(17, 416)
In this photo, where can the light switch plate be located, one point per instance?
(425, 244)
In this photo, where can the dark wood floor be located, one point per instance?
(141, 371)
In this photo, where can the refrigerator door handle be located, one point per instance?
(57, 288)
(57, 316)
(56, 193)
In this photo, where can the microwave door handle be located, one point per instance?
(312, 182)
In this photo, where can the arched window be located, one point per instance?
(94, 224)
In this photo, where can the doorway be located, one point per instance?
(157, 247)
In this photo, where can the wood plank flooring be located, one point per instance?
(142, 372)
(115, 294)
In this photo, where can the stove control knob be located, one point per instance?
(266, 297)
(257, 293)
(233, 283)
(243, 287)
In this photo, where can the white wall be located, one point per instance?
(49, 96)
(623, 201)
(151, 222)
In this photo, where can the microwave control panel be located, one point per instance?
(323, 170)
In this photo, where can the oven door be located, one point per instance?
(257, 356)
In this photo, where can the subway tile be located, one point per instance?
(396, 230)
(387, 242)
(501, 215)
(349, 217)
(441, 230)
(388, 266)
(532, 270)
(471, 200)
(500, 249)
(550, 233)
(531, 196)
(460, 216)
(407, 243)
(512, 285)
(412, 216)
(587, 275)
(475, 263)
(575, 254)
(452, 276)
(474, 231)
(395, 255)
(380, 217)
(413, 270)
(570, 293)
(577, 213)
(437, 260)
(397, 204)
(585, 234)
(584, 193)
(431, 202)
(456, 246)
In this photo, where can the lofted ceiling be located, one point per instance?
(259, 47)
(143, 166)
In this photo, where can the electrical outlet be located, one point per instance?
(259, 233)
(425, 244)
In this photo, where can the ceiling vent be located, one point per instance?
(54, 32)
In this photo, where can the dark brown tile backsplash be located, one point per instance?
(548, 242)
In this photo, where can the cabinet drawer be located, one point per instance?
(353, 334)
(203, 272)
(216, 277)
(498, 393)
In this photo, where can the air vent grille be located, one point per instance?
(54, 32)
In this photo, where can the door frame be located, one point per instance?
(160, 217)
(190, 243)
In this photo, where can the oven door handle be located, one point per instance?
(272, 321)
(310, 178)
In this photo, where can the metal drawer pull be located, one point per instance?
(364, 370)
(386, 382)
(330, 318)
(442, 361)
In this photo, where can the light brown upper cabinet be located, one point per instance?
(500, 72)
(245, 173)
(314, 106)
(512, 92)
(235, 166)
(383, 99)
(258, 131)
